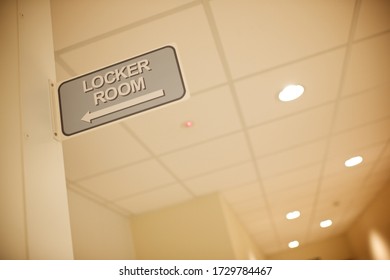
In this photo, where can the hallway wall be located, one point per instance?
(98, 233)
(370, 234)
(12, 217)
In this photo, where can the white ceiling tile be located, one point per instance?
(209, 156)
(81, 20)
(292, 131)
(266, 236)
(352, 141)
(291, 159)
(242, 193)
(242, 174)
(377, 181)
(100, 150)
(383, 164)
(363, 108)
(320, 76)
(336, 164)
(292, 178)
(317, 233)
(258, 214)
(259, 226)
(373, 18)
(386, 153)
(253, 205)
(199, 59)
(263, 34)
(129, 180)
(270, 247)
(307, 189)
(348, 179)
(155, 199)
(293, 229)
(163, 130)
(369, 64)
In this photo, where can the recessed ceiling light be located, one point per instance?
(326, 223)
(291, 92)
(293, 244)
(353, 161)
(293, 215)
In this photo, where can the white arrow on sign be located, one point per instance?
(88, 117)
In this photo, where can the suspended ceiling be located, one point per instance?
(264, 156)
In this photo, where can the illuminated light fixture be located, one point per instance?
(353, 161)
(293, 244)
(326, 223)
(291, 92)
(293, 215)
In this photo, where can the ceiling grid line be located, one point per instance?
(229, 76)
(74, 186)
(351, 34)
(121, 29)
(368, 175)
(157, 158)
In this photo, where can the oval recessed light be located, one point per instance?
(326, 223)
(293, 215)
(293, 244)
(291, 92)
(353, 161)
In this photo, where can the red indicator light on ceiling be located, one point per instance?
(188, 124)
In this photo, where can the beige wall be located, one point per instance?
(370, 234)
(12, 219)
(335, 248)
(191, 230)
(98, 232)
(34, 218)
(243, 245)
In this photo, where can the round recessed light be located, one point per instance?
(353, 161)
(326, 223)
(291, 92)
(293, 244)
(293, 215)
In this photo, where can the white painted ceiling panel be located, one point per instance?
(222, 179)
(129, 180)
(373, 18)
(200, 61)
(350, 141)
(271, 138)
(226, 151)
(292, 179)
(374, 104)
(369, 64)
(95, 18)
(251, 49)
(291, 159)
(242, 193)
(155, 199)
(320, 76)
(102, 149)
(164, 130)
